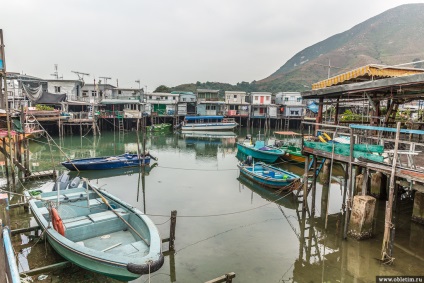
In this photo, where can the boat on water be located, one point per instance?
(209, 134)
(268, 193)
(163, 127)
(207, 123)
(290, 142)
(101, 174)
(268, 175)
(108, 162)
(97, 231)
(258, 149)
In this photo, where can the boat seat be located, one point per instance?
(76, 221)
(106, 215)
(89, 229)
(75, 196)
(97, 205)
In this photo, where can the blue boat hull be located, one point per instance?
(268, 176)
(269, 156)
(109, 162)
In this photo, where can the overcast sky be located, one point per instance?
(171, 42)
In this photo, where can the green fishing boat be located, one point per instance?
(163, 127)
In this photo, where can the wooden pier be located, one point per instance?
(400, 167)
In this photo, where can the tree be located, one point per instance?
(162, 88)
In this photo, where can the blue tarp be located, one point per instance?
(313, 107)
(1, 64)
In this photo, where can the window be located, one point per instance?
(235, 96)
(93, 93)
(299, 99)
(286, 98)
(210, 107)
(256, 98)
(184, 99)
(173, 98)
(57, 89)
(119, 91)
(85, 93)
(150, 97)
(267, 98)
(228, 97)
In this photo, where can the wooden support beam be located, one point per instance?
(45, 269)
(24, 230)
(227, 278)
(172, 230)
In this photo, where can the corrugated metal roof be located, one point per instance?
(366, 73)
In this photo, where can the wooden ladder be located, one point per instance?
(121, 125)
(287, 123)
(310, 174)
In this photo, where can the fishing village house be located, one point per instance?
(122, 103)
(290, 104)
(187, 103)
(16, 94)
(208, 102)
(261, 105)
(237, 104)
(162, 104)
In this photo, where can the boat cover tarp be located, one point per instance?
(51, 98)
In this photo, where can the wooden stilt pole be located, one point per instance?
(386, 252)
(172, 230)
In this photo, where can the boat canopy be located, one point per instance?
(195, 118)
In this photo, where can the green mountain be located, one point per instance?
(391, 38)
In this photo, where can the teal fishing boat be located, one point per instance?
(259, 150)
(97, 231)
(268, 176)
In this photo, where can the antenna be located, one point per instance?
(80, 75)
(56, 74)
(105, 79)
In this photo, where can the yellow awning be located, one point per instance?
(366, 73)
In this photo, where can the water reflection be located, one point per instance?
(273, 238)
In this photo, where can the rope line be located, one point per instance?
(195, 169)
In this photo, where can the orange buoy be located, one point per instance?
(57, 222)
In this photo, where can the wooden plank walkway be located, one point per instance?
(40, 174)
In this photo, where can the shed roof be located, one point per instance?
(367, 73)
(405, 87)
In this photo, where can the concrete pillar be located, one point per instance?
(378, 185)
(359, 258)
(361, 219)
(418, 211)
(358, 184)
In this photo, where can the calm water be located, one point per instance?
(225, 224)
